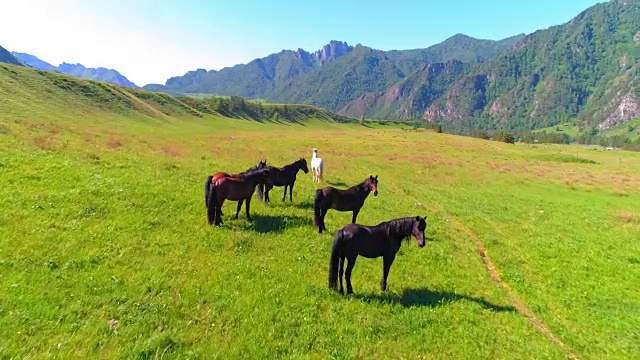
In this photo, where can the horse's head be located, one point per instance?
(419, 226)
(372, 183)
(302, 164)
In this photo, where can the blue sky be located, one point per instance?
(149, 41)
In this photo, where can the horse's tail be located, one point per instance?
(316, 206)
(213, 205)
(261, 191)
(335, 261)
(206, 190)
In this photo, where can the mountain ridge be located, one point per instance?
(292, 76)
(79, 70)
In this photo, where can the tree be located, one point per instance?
(505, 137)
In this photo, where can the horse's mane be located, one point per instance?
(400, 229)
(359, 185)
(288, 166)
(254, 172)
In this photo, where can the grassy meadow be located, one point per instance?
(106, 253)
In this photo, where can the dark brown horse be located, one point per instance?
(215, 177)
(284, 176)
(234, 189)
(383, 240)
(351, 199)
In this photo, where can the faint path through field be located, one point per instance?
(515, 299)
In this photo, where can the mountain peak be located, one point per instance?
(333, 50)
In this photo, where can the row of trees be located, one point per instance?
(587, 138)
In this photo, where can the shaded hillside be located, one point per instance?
(98, 74)
(7, 58)
(585, 69)
(330, 77)
(31, 93)
(408, 98)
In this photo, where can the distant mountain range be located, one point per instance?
(332, 76)
(585, 70)
(98, 74)
(7, 57)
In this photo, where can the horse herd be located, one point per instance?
(350, 241)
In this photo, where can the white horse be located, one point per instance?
(317, 166)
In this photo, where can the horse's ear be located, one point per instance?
(418, 218)
(376, 177)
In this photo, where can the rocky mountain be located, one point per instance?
(98, 74)
(332, 76)
(406, 98)
(7, 57)
(257, 78)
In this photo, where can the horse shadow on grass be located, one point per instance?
(426, 297)
(304, 205)
(337, 183)
(264, 224)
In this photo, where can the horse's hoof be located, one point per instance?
(249, 219)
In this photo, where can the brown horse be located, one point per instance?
(351, 199)
(234, 189)
(217, 176)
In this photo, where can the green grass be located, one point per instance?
(630, 129)
(563, 158)
(570, 129)
(103, 218)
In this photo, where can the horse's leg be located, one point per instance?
(341, 272)
(247, 209)
(355, 216)
(323, 212)
(351, 262)
(291, 192)
(387, 261)
(284, 196)
(239, 207)
(219, 204)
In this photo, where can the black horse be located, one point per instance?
(284, 176)
(383, 240)
(351, 199)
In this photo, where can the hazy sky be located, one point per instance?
(149, 41)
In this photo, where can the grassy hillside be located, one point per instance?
(531, 252)
(26, 93)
